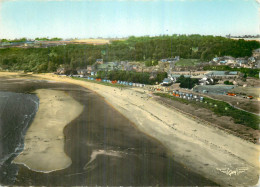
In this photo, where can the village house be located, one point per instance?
(99, 61)
(206, 81)
(166, 82)
(226, 60)
(222, 62)
(134, 67)
(257, 64)
(230, 60)
(108, 66)
(216, 59)
(169, 60)
(172, 65)
(256, 53)
(219, 60)
(82, 72)
(93, 73)
(174, 77)
(242, 62)
(221, 74)
(61, 71)
(89, 69)
(123, 63)
(251, 61)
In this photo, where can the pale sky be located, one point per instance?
(122, 18)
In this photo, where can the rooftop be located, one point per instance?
(221, 73)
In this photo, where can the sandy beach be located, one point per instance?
(44, 140)
(105, 148)
(207, 150)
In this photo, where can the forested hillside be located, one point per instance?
(132, 49)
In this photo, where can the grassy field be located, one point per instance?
(253, 91)
(187, 62)
(92, 41)
(222, 108)
(247, 39)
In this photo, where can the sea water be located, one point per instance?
(17, 111)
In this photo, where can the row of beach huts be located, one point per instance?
(175, 93)
(118, 82)
(187, 96)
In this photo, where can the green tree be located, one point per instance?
(51, 67)
(228, 83)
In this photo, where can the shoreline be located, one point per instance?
(17, 111)
(101, 129)
(44, 140)
(206, 150)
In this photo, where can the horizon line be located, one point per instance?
(100, 37)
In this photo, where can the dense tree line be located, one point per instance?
(25, 39)
(130, 76)
(15, 40)
(147, 49)
(187, 82)
(48, 39)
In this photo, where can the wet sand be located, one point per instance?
(105, 147)
(44, 140)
